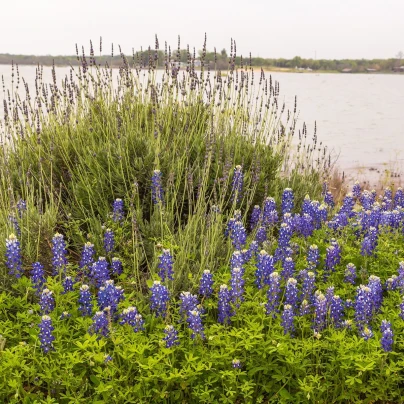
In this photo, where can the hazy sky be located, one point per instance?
(268, 28)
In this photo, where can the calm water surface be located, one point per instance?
(359, 117)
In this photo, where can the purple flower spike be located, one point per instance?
(237, 184)
(59, 252)
(206, 284)
(171, 338)
(45, 334)
(166, 266)
(157, 188)
(117, 210)
(13, 256)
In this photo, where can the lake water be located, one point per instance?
(360, 117)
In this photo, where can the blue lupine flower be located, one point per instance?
(329, 294)
(339, 221)
(387, 336)
(366, 333)
(376, 288)
(363, 306)
(287, 201)
(206, 283)
(195, 324)
(349, 304)
(107, 358)
(288, 316)
(110, 296)
(46, 302)
(350, 274)
(285, 234)
(116, 266)
(38, 277)
(291, 292)
(109, 241)
(320, 312)
(157, 187)
(224, 308)
(313, 256)
(65, 315)
(347, 324)
(171, 337)
(347, 205)
(117, 210)
(292, 221)
(87, 256)
(132, 317)
(369, 243)
(251, 252)
(261, 235)
(236, 364)
(255, 217)
(305, 308)
(237, 184)
(188, 302)
(273, 294)
(159, 299)
(100, 325)
(402, 309)
(336, 311)
(265, 266)
(166, 265)
(288, 270)
(59, 260)
(306, 206)
(13, 256)
(399, 198)
(332, 259)
(367, 200)
(238, 235)
(86, 305)
(237, 286)
(308, 285)
(67, 285)
(269, 212)
(230, 227)
(356, 190)
(237, 260)
(335, 244)
(329, 200)
(13, 220)
(21, 207)
(306, 227)
(391, 283)
(99, 271)
(45, 334)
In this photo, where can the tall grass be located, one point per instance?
(73, 146)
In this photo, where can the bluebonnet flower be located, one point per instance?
(237, 260)
(206, 284)
(335, 244)
(157, 187)
(387, 336)
(329, 200)
(224, 308)
(399, 198)
(255, 217)
(329, 294)
(188, 302)
(388, 193)
(347, 324)
(291, 292)
(116, 266)
(349, 304)
(356, 190)
(265, 266)
(236, 364)
(46, 302)
(287, 201)
(13, 256)
(132, 317)
(21, 207)
(269, 211)
(347, 205)
(59, 260)
(329, 260)
(285, 234)
(376, 288)
(99, 271)
(38, 277)
(292, 221)
(402, 309)
(107, 358)
(110, 296)
(369, 243)
(308, 285)
(86, 305)
(336, 311)
(230, 227)
(288, 316)
(13, 220)
(251, 252)
(391, 283)
(320, 312)
(237, 286)
(261, 235)
(366, 333)
(237, 184)
(339, 221)
(65, 315)
(171, 337)
(166, 265)
(306, 206)
(306, 227)
(288, 268)
(305, 308)
(87, 255)
(100, 325)
(67, 285)
(350, 274)
(367, 199)
(273, 294)
(45, 334)
(195, 324)
(313, 256)
(238, 235)
(109, 241)
(159, 299)
(363, 306)
(117, 210)
(396, 218)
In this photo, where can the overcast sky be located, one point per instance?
(281, 28)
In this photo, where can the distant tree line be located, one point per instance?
(219, 59)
